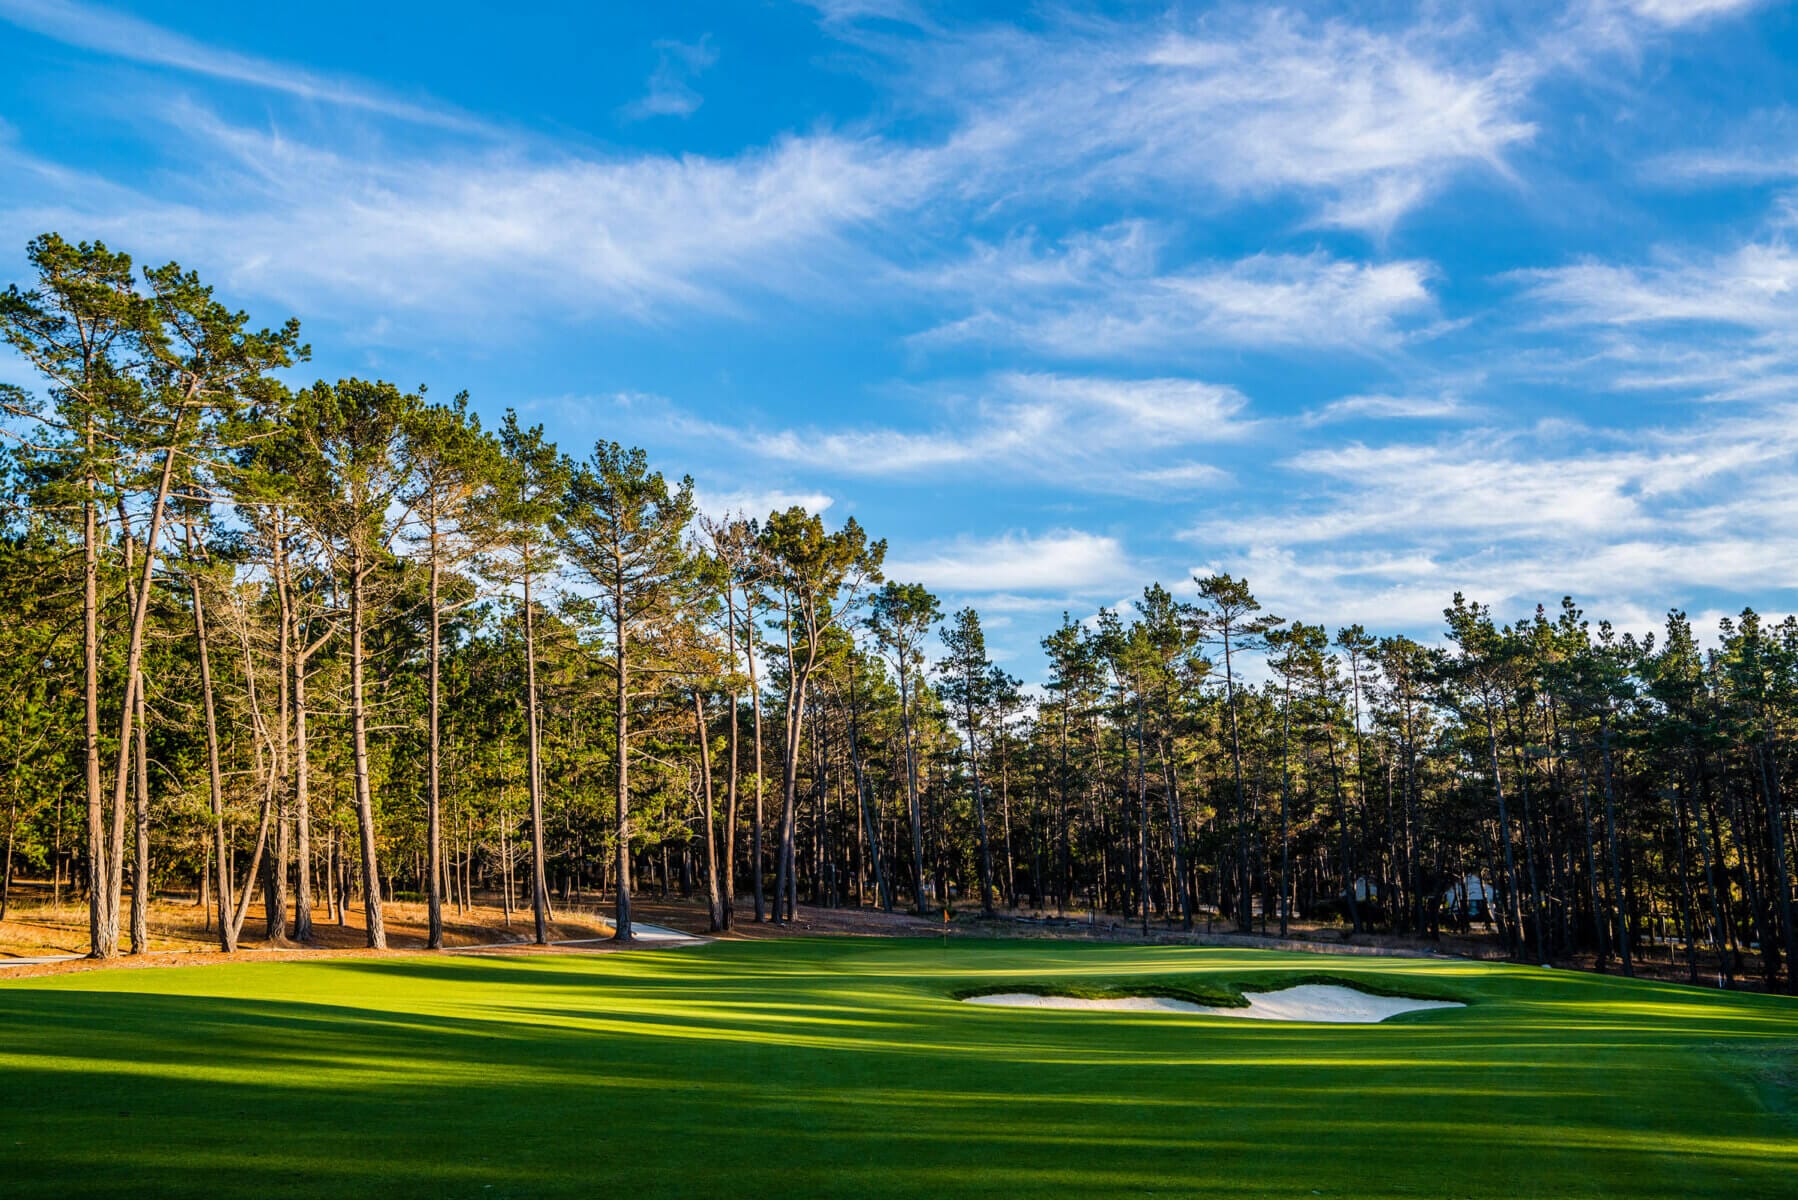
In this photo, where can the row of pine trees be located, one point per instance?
(323, 646)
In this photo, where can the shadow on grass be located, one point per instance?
(838, 1067)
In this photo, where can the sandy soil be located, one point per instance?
(1317, 1002)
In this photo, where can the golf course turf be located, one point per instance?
(846, 1067)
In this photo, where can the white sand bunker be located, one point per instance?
(1319, 1002)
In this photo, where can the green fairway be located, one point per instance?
(843, 1067)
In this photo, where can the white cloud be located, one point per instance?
(671, 92)
(849, 12)
(1627, 522)
(1762, 147)
(1591, 36)
(1104, 434)
(1184, 476)
(1189, 410)
(758, 503)
(1755, 285)
(1672, 13)
(120, 35)
(1722, 325)
(1074, 114)
(1381, 407)
(1103, 298)
(878, 452)
(1492, 484)
(1061, 560)
(1632, 584)
(1363, 123)
(497, 232)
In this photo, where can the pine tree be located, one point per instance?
(624, 529)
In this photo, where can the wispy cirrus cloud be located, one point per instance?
(1120, 436)
(1753, 286)
(1105, 295)
(1238, 103)
(1722, 325)
(671, 92)
(1443, 406)
(499, 230)
(1761, 148)
(1359, 124)
(1097, 435)
(1173, 258)
(1631, 521)
(1673, 13)
(120, 35)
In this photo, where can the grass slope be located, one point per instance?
(843, 1067)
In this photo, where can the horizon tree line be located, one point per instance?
(340, 643)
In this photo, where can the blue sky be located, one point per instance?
(1370, 304)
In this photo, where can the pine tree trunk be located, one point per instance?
(1687, 908)
(882, 889)
(103, 941)
(1175, 820)
(140, 876)
(1342, 833)
(1782, 870)
(1011, 870)
(1704, 816)
(911, 784)
(1513, 912)
(433, 797)
(1142, 799)
(214, 775)
(715, 907)
(732, 782)
(1610, 827)
(1600, 925)
(1286, 811)
(293, 668)
(365, 805)
(786, 883)
(1244, 917)
(302, 796)
(134, 658)
(1529, 836)
(505, 869)
(279, 863)
(539, 869)
(986, 850)
(12, 828)
(755, 830)
(1065, 826)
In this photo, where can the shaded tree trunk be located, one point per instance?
(534, 766)
(714, 904)
(365, 806)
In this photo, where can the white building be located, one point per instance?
(1470, 896)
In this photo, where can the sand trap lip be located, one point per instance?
(1317, 1002)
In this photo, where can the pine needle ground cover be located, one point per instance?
(848, 1067)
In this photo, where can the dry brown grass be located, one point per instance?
(180, 932)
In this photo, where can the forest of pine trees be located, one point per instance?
(301, 651)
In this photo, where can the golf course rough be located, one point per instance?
(848, 1067)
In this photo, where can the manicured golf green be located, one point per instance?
(845, 1067)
